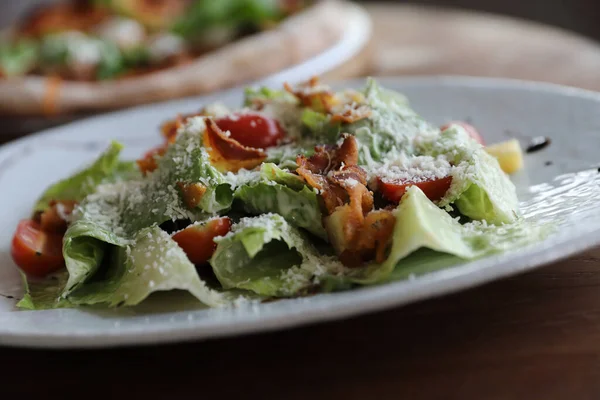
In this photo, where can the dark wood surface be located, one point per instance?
(534, 336)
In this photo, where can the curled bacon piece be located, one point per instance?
(372, 240)
(348, 151)
(358, 237)
(343, 225)
(169, 129)
(351, 113)
(311, 95)
(356, 231)
(330, 169)
(227, 154)
(334, 171)
(148, 162)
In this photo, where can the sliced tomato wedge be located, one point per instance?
(433, 189)
(52, 220)
(197, 241)
(36, 252)
(471, 130)
(252, 129)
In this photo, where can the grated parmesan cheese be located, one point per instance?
(413, 169)
(193, 126)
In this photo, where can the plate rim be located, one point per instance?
(339, 305)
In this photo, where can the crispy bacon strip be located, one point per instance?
(351, 216)
(376, 233)
(348, 151)
(169, 129)
(335, 172)
(310, 172)
(357, 237)
(227, 154)
(356, 231)
(148, 163)
(310, 95)
(351, 113)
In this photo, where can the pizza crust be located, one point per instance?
(297, 39)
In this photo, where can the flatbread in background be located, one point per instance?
(295, 40)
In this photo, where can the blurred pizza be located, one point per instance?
(84, 55)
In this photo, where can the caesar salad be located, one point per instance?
(300, 191)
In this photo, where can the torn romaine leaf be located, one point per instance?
(299, 207)
(480, 189)
(105, 169)
(422, 224)
(272, 173)
(389, 130)
(152, 262)
(43, 294)
(263, 95)
(268, 256)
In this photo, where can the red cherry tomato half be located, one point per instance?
(434, 190)
(36, 252)
(197, 241)
(252, 130)
(468, 127)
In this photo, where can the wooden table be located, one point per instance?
(535, 336)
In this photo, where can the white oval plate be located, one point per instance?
(566, 191)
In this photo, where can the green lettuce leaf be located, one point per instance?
(421, 224)
(299, 207)
(187, 161)
(389, 130)
(115, 213)
(152, 263)
(106, 168)
(480, 189)
(268, 256)
(272, 173)
(44, 294)
(319, 126)
(84, 247)
(285, 156)
(265, 94)
(157, 198)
